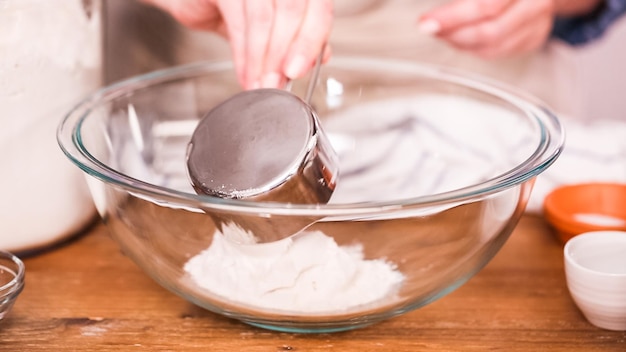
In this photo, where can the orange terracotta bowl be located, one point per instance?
(579, 208)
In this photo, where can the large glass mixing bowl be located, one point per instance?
(436, 168)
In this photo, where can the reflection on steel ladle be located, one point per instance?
(263, 145)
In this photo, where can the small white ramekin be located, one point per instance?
(595, 269)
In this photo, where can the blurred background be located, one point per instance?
(140, 38)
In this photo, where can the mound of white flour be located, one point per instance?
(307, 273)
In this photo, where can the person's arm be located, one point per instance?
(582, 27)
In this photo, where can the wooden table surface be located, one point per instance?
(87, 296)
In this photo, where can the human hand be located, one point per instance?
(499, 28)
(271, 40)
(491, 28)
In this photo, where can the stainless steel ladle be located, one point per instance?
(263, 145)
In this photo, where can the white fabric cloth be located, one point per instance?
(594, 152)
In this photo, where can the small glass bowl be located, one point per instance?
(11, 281)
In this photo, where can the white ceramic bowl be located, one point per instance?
(595, 268)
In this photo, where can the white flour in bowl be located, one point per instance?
(309, 273)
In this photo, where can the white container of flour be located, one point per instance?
(50, 57)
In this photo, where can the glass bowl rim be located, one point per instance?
(547, 151)
(13, 286)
